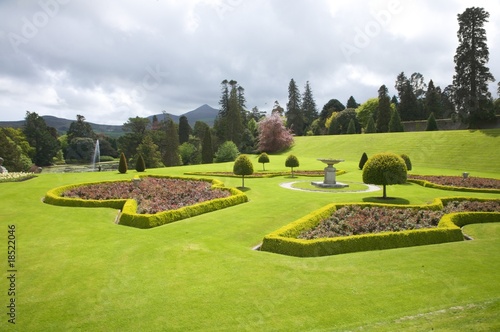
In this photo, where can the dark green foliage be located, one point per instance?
(471, 73)
(351, 103)
(433, 101)
(362, 161)
(351, 129)
(431, 123)
(308, 106)
(385, 169)
(294, 114)
(171, 155)
(207, 151)
(228, 151)
(344, 118)
(370, 127)
(150, 153)
(140, 165)
(243, 166)
(41, 138)
(80, 128)
(292, 161)
(395, 124)
(263, 159)
(122, 166)
(334, 128)
(184, 129)
(333, 105)
(11, 142)
(190, 154)
(80, 149)
(384, 110)
(407, 161)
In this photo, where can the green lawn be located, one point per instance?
(77, 270)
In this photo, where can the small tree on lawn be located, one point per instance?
(431, 123)
(122, 166)
(385, 169)
(263, 159)
(140, 165)
(407, 161)
(243, 166)
(292, 162)
(363, 160)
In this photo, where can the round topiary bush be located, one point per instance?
(292, 161)
(243, 166)
(385, 169)
(407, 161)
(122, 166)
(263, 159)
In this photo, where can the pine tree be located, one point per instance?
(384, 110)
(471, 74)
(294, 115)
(149, 152)
(184, 129)
(351, 103)
(308, 106)
(433, 101)
(395, 124)
(234, 124)
(207, 150)
(171, 153)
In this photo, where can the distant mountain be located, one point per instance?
(203, 113)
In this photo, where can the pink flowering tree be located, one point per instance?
(273, 135)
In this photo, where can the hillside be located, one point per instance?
(203, 113)
(461, 150)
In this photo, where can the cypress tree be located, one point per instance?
(294, 115)
(184, 129)
(122, 166)
(140, 165)
(384, 110)
(207, 150)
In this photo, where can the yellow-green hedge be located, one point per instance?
(128, 207)
(284, 240)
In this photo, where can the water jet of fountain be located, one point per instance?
(96, 157)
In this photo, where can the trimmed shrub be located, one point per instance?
(140, 165)
(228, 151)
(243, 166)
(263, 159)
(407, 161)
(370, 126)
(431, 123)
(363, 160)
(122, 166)
(292, 161)
(351, 128)
(385, 169)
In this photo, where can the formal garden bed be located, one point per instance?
(355, 220)
(150, 201)
(16, 176)
(446, 182)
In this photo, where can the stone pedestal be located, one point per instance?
(329, 180)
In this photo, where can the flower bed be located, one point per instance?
(355, 220)
(153, 195)
(459, 181)
(16, 176)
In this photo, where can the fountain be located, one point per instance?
(96, 157)
(329, 181)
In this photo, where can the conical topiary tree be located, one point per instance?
(292, 161)
(363, 160)
(140, 165)
(407, 161)
(122, 166)
(370, 126)
(243, 166)
(263, 159)
(431, 123)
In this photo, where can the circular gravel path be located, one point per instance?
(371, 188)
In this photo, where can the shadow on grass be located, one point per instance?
(388, 200)
(244, 189)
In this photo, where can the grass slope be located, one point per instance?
(77, 270)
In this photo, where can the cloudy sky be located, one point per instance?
(111, 60)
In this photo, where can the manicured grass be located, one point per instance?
(77, 270)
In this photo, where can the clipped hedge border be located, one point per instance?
(428, 184)
(128, 207)
(284, 240)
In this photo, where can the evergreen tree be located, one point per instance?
(431, 123)
(363, 160)
(433, 101)
(171, 153)
(221, 119)
(408, 104)
(370, 127)
(136, 129)
(308, 106)
(263, 159)
(471, 73)
(184, 129)
(199, 129)
(395, 124)
(140, 165)
(334, 127)
(333, 105)
(292, 161)
(207, 150)
(234, 123)
(42, 138)
(294, 115)
(351, 103)
(384, 110)
(351, 128)
(149, 152)
(80, 128)
(122, 165)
